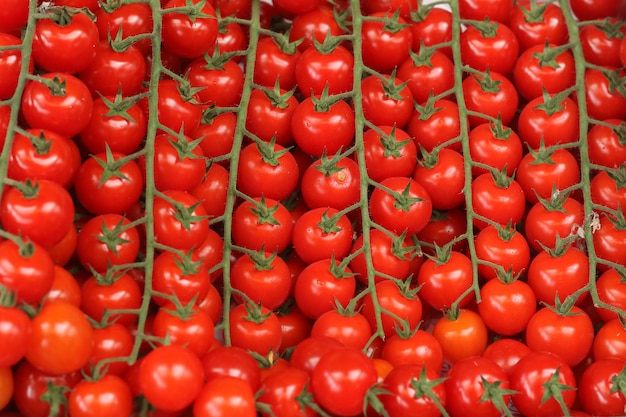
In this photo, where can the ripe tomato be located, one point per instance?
(324, 66)
(548, 120)
(264, 278)
(187, 37)
(225, 396)
(544, 68)
(314, 25)
(102, 295)
(534, 24)
(105, 241)
(15, 333)
(14, 15)
(254, 328)
(388, 152)
(609, 241)
(65, 41)
(506, 353)
(401, 205)
(489, 45)
(566, 334)
(109, 395)
(430, 71)
(133, 19)
(492, 95)
(386, 101)
(599, 392)
(610, 341)
(536, 377)
(170, 377)
(492, 192)
(461, 334)
(400, 306)
(391, 257)
(444, 228)
(494, 145)
(269, 115)
(590, 10)
(498, 298)
(267, 170)
(321, 285)
(385, 44)
(112, 344)
(59, 102)
(497, 11)
(115, 69)
(10, 65)
(232, 361)
(213, 190)
(445, 279)
(322, 127)
(276, 59)
(479, 384)
(321, 233)
(262, 223)
(32, 387)
(610, 290)
(602, 94)
(561, 272)
(414, 390)
(26, 270)
(432, 26)
(183, 277)
(281, 391)
(179, 221)
(605, 147)
(331, 182)
(442, 169)
(417, 348)
(220, 81)
(341, 380)
(548, 218)
(541, 173)
(606, 190)
(6, 385)
(506, 248)
(189, 326)
(61, 339)
(294, 326)
(115, 122)
(436, 122)
(352, 329)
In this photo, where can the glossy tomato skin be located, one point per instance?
(385, 50)
(186, 279)
(323, 186)
(549, 26)
(122, 294)
(429, 73)
(353, 331)
(465, 387)
(611, 290)
(321, 233)
(264, 278)
(419, 348)
(532, 75)
(266, 118)
(610, 341)
(496, 49)
(431, 129)
(110, 395)
(66, 114)
(221, 84)
(589, 10)
(603, 102)
(536, 124)
(10, 64)
(15, 331)
(30, 384)
(172, 232)
(61, 339)
(506, 353)
(280, 390)
(14, 15)
(66, 47)
(316, 70)
(528, 376)
(609, 242)
(270, 230)
(252, 333)
(598, 391)
(225, 396)
(604, 146)
(488, 198)
(112, 71)
(118, 133)
(186, 37)
(568, 336)
(543, 222)
(307, 353)
(212, 190)
(46, 155)
(133, 19)
(116, 194)
(564, 274)
(232, 361)
(404, 399)
(494, 95)
(318, 287)
(389, 258)
(461, 336)
(539, 177)
(446, 280)
(494, 147)
(313, 26)
(317, 131)
(27, 272)
(171, 377)
(341, 379)
(273, 62)
(447, 172)
(508, 250)
(432, 28)
(499, 298)
(194, 330)
(498, 11)
(113, 341)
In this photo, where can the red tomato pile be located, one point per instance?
(308, 207)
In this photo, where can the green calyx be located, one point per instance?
(264, 214)
(553, 388)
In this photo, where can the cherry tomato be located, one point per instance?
(187, 37)
(461, 335)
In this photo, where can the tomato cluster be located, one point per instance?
(308, 207)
